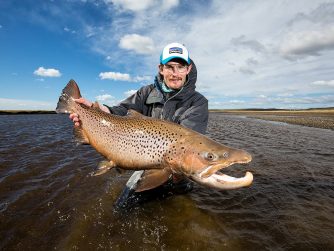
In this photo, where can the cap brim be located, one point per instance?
(166, 60)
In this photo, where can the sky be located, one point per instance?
(249, 53)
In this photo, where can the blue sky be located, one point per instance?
(249, 54)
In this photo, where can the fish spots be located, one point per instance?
(131, 141)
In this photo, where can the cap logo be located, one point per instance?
(175, 50)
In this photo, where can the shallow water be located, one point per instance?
(48, 200)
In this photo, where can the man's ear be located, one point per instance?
(160, 67)
(189, 68)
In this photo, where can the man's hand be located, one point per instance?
(75, 117)
(83, 101)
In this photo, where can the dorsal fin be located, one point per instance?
(153, 178)
(70, 92)
(73, 89)
(134, 113)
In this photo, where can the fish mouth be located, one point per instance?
(213, 177)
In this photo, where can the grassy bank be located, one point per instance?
(320, 117)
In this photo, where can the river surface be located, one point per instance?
(49, 201)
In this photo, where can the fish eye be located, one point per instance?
(210, 156)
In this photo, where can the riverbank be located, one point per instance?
(319, 118)
(16, 112)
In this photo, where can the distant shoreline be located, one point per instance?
(231, 111)
(313, 117)
(18, 112)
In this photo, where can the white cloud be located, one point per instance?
(275, 102)
(139, 44)
(308, 42)
(240, 47)
(285, 95)
(133, 5)
(115, 76)
(252, 62)
(236, 101)
(169, 4)
(123, 77)
(254, 45)
(107, 99)
(247, 61)
(129, 93)
(141, 78)
(69, 30)
(41, 71)
(246, 70)
(324, 83)
(328, 99)
(104, 97)
(144, 5)
(322, 14)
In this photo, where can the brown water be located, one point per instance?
(48, 200)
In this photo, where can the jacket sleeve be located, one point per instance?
(135, 102)
(196, 117)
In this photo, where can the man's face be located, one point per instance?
(174, 73)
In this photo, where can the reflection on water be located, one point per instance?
(48, 200)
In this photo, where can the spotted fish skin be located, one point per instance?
(143, 143)
(131, 142)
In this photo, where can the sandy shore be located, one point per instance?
(320, 118)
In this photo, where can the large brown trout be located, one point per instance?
(159, 147)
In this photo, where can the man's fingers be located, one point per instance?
(75, 119)
(79, 100)
(73, 115)
(83, 101)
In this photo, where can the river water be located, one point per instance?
(49, 201)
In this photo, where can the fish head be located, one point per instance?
(204, 159)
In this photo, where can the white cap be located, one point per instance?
(174, 50)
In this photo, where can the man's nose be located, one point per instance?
(175, 71)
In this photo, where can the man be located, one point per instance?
(171, 97)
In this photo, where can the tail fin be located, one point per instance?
(70, 92)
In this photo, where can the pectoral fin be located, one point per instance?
(79, 136)
(103, 167)
(152, 178)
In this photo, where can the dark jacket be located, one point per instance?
(186, 106)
